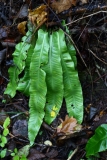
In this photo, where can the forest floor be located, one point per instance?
(87, 25)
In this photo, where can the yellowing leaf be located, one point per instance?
(53, 114)
(55, 108)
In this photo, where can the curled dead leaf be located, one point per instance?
(38, 15)
(68, 126)
(22, 27)
(61, 5)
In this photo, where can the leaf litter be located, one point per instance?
(94, 95)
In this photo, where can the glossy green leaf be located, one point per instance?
(3, 153)
(6, 122)
(72, 52)
(15, 151)
(38, 88)
(5, 132)
(47, 70)
(24, 82)
(98, 142)
(70, 47)
(3, 141)
(19, 57)
(72, 87)
(12, 154)
(23, 158)
(54, 79)
(24, 151)
(16, 157)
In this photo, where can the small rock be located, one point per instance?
(20, 128)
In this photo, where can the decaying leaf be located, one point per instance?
(38, 16)
(22, 27)
(61, 5)
(68, 126)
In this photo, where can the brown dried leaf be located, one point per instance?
(38, 15)
(68, 126)
(22, 27)
(61, 5)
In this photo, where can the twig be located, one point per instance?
(97, 57)
(16, 115)
(85, 17)
(48, 127)
(72, 154)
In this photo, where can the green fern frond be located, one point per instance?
(19, 57)
(54, 79)
(50, 74)
(72, 87)
(24, 82)
(38, 88)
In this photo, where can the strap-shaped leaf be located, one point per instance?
(54, 79)
(38, 88)
(72, 52)
(24, 82)
(72, 87)
(98, 142)
(19, 57)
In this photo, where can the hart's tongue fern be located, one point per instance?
(49, 75)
